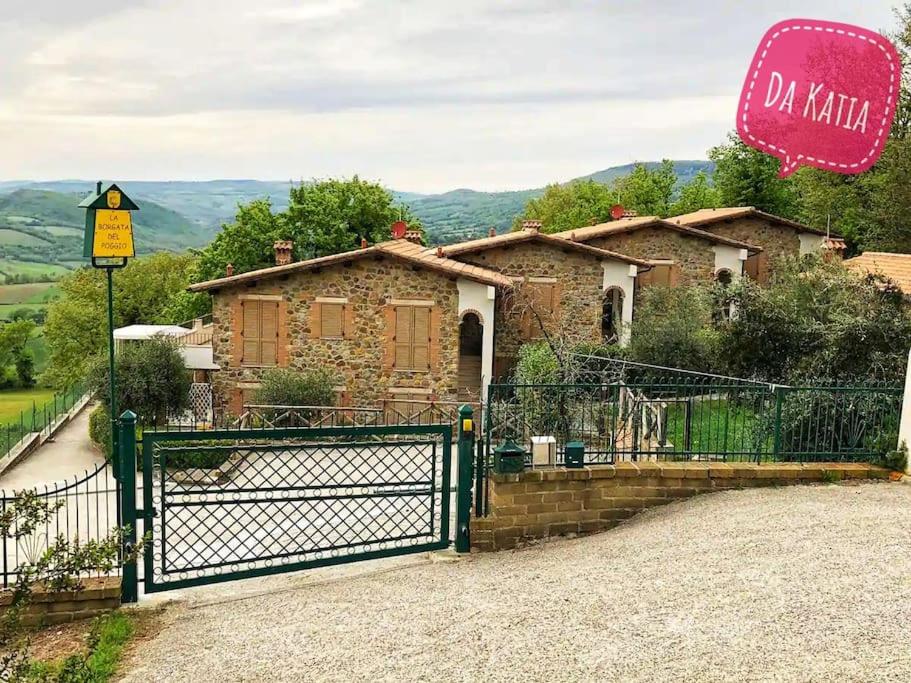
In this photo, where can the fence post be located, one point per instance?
(779, 399)
(463, 494)
(127, 462)
(904, 425)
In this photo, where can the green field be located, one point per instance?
(20, 401)
(9, 267)
(8, 236)
(31, 293)
(68, 230)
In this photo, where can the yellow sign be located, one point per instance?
(113, 233)
(466, 425)
(113, 199)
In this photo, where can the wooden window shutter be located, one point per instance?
(332, 321)
(645, 278)
(435, 327)
(316, 315)
(420, 345)
(673, 274)
(348, 324)
(404, 324)
(268, 326)
(251, 333)
(389, 356)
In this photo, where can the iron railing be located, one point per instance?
(699, 420)
(38, 418)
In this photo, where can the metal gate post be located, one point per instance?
(463, 493)
(129, 589)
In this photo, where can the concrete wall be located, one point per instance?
(729, 258)
(547, 502)
(480, 299)
(810, 243)
(622, 275)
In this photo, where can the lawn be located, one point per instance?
(16, 401)
(718, 426)
(12, 267)
(30, 293)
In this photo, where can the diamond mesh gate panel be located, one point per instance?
(267, 506)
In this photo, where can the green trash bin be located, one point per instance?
(574, 454)
(508, 458)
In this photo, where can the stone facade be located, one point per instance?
(362, 357)
(539, 503)
(695, 256)
(777, 241)
(579, 280)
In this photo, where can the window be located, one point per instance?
(259, 332)
(665, 273)
(332, 320)
(539, 304)
(412, 338)
(611, 314)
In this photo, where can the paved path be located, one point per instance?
(70, 453)
(789, 584)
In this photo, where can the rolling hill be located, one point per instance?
(181, 214)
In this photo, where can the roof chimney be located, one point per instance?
(492, 232)
(439, 252)
(363, 242)
(531, 225)
(283, 250)
(413, 236)
(629, 213)
(229, 270)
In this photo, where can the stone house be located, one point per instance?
(778, 237)
(387, 318)
(679, 254)
(569, 289)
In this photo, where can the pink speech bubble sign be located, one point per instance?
(821, 94)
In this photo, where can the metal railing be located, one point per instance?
(38, 418)
(700, 420)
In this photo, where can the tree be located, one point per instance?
(647, 192)
(144, 292)
(152, 380)
(246, 243)
(283, 387)
(696, 194)
(332, 216)
(568, 206)
(13, 338)
(747, 177)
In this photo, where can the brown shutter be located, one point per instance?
(268, 332)
(251, 333)
(435, 325)
(645, 278)
(673, 275)
(556, 298)
(316, 312)
(237, 338)
(404, 324)
(348, 325)
(763, 274)
(420, 344)
(331, 321)
(389, 355)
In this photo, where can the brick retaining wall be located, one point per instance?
(554, 501)
(47, 608)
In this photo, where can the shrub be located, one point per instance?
(673, 328)
(537, 364)
(152, 380)
(284, 387)
(100, 428)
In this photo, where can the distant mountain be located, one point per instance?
(183, 214)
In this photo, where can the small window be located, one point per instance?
(332, 321)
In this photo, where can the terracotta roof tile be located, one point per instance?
(401, 249)
(590, 232)
(709, 216)
(529, 235)
(896, 267)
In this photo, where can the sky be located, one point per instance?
(422, 95)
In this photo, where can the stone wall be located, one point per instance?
(48, 608)
(360, 359)
(777, 241)
(695, 256)
(579, 280)
(539, 503)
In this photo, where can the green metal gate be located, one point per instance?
(232, 504)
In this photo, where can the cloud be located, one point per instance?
(509, 93)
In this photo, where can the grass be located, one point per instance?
(12, 267)
(30, 293)
(8, 236)
(106, 642)
(717, 426)
(16, 401)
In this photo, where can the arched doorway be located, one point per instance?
(612, 315)
(471, 342)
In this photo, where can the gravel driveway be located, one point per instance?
(790, 584)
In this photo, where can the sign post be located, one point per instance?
(108, 241)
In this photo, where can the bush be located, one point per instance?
(537, 364)
(152, 380)
(673, 327)
(284, 387)
(100, 428)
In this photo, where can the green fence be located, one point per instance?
(39, 417)
(699, 420)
